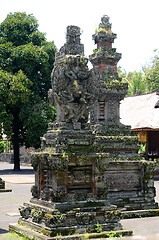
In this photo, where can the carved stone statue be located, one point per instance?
(105, 24)
(74, 90)
(73, 84)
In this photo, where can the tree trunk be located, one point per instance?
(16, 140)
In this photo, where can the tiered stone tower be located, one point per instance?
(125, 170)
(111, 89)
(70, 192)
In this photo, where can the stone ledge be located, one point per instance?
(30, 234)
(140, 213)
(5, 190)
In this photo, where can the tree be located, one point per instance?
(151, 72)
(26, 61)
(14, 92)
(145, 80)
(137, 83)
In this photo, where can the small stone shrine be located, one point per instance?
(129, 178)
(2, 186)
(70, 192)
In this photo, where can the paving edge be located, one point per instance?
(140, 213)
(23, 231)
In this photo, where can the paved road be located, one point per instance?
(20, 183)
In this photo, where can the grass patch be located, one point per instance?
(12, 236)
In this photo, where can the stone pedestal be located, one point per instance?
(70, 192)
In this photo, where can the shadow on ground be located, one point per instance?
(21, 172)
(3, 231)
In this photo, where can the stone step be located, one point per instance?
(140, 213)
(24, 231)
(71, 204)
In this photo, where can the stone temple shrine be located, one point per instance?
(88, 168)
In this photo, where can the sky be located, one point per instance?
(136, 23)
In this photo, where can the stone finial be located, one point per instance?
(105, 23)
(104, 32)
(72, 45)
(105, 57)
(73, 35)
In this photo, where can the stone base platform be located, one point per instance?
(69, 220)
(140, 213)
(29, 233)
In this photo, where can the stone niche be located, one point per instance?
(70, 191)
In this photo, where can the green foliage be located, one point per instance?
(95, 51)
(98, 228)
(14, 93)
(12, 236)
(142, 148)
(5, 55)
(38, 116)
(113, 234)
(151, 72)
(143, 81)
(6, 119)
(137, 83)
(86, 236)
(14, 88)
(35, 61)
(3, 146)
(18, 28)
(101, 29)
